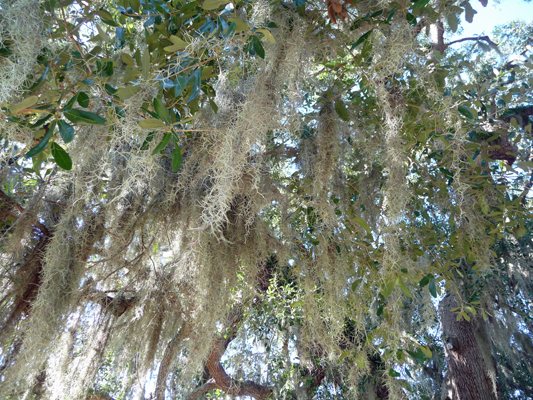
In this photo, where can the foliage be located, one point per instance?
(181, 177)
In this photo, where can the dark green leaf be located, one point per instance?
(61, 157)
(71, 102)
(176, 159)
(43, 144)
(420, 4)
(147, 141)
(162, 144)
(362, 39)
(411, 19)
(425, 280)
(465, 111)
(180, 85)
(213, 105)
(341, 110)
(196, 79)
(81, 117)
(83, 99)
(66, 131)
(258, 47)
(432, 288)
(161, 110)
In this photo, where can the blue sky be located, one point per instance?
(496, 14)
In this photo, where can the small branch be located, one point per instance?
(474, 38)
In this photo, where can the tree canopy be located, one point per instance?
(275, 199)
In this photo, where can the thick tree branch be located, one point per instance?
(166, 362)
(206, 387)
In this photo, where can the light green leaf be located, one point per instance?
(146, 63)
(213, 4)
(453, 21)
(426, 351)
(344, 355)
(405, 290)
(267, 34)
(361, 222)
(105, 37)
(177, 45)
(127, 92)
(26, 103)
(151, 123)
(127, 59)
(241, 25)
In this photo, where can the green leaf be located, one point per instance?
(179, 85)
(258, 47)
(213, 4)
(425, 280)
(61, 157)
(388, 287)
(176, 159)
(411, 19)
(363, 224)
(26, 103)
(213, 106)
(151, 123)
(83, 99)
(66, 131)
(161, 110)
(405, 290)
(146, 63)
(464, 110)
(147, 141)
(177, 44)
(135, 4)
(453, 21)
(267, 34)
(240, 25)
(81, 117)
(345, 354)
(393, 373)
(432, 288)
(125, 93)
(71, 102)
(363, 37)
(426, 351)
(469, 12)
(341, 110)
(196, 79)
(43, 144)
(420, 4)
(162, 144)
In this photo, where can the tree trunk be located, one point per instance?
(471, 371)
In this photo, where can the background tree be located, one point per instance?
(298, 182)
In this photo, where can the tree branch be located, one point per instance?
(473, 38)
(166, 362)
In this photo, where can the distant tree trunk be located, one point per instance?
(471, 371)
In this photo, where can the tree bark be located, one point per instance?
(471, 371)
(166, 362)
